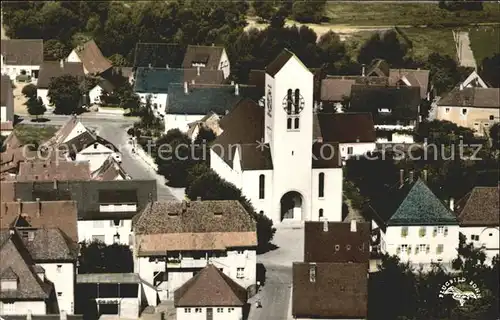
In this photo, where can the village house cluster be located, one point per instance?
(201, 255)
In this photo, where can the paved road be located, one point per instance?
(464, 50)
(113, 128)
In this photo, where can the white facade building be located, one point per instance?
(62, 274)
(21, 56)
(415, 225)
(207, 57)
(271, 154)
(166, 257)
(108, 231)
(478, 214)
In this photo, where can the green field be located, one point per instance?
(485, 42)
(413, 14)
(34, 134)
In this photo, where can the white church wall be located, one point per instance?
(250, 189)
(331, 202)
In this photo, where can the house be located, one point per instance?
(327, 290)
(155, 83)
(395, 110)
(48, 230)
(54, 69)
(478, 215)
(158, 55)
(101, 88)
(260, 148)
(71, 129)
(6, 106)
(91, 148)
(207, 57)
(21, 57)
(53, 170)
(208, 122)
(110, 170)
(476, 108)
(192, 102)
(105, 208)
(116, 294)
(474, 81)
(355, 132)
(337, 242)
(210, 294)
(175, 239)
(29, 316)
(12, 142)
(411, 78)
(415, 225)
(91, 57)
(11, 158)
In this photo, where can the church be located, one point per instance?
(275, 153)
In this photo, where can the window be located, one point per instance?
(220, 310)
(404, 248)
(240, 252)
(440, 230)
(187, 310)
(262, 186)
(447, 110)
(349, 150)
(59, 268)
(240, 273)
(474, 237)
(321, 185)
(348, 247)
(445, 231)
(404, 232)
(491, 234)
(337, 247)
(321, 213)
(289, 102)
(297, 122)
(422, 232)
(297, 101)
(464, 111)
(130, 240)
(116, 223)
(98, 238)
(116, 238)
(312, 273)
(289, 123)
(492, 117)
(230, 309)
(421, 248)
(439, 249)
(59, 294)
(197, 310)
(9, 308)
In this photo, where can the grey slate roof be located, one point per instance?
(23, 52)
(413, 205)
(472, 97)
(15, 258)
(417, 78)
(84, 140)
(275, 66)
(50, 245)
(208, 55)
(480, 207)
(202, 99)
(86, 194)
(403, 102)
(53, 69)
(108, 278)
(210, 288)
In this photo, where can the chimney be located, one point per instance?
(354, 226)
(363, 70)
(198, 198)
(61, 63)
(192, 81)
(319, 139)
(28, 315)
(236, 90)
(167, 67)
(213, 44)
(232, 83)
(401, 178)
(38, 207)
(62, 315)
(20, 206)
(227, 112)
(325, 226)
(186, 91)
(461, 86)
(55, 184)
(150, 66)
(411, 176)
(424, 172)
(452, 204)
(198, 71)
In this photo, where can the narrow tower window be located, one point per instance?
(262, 186)
(321, 185)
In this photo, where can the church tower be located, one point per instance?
(288, 127)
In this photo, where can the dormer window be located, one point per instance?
(384, 110)
(312, 273)
(9, 280)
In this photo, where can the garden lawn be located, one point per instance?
(485, 42)
(428, 40)
(34, 134)
(415, 14)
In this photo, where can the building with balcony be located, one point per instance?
(175, 240)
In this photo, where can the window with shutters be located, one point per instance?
(439, 249)
(404, 232)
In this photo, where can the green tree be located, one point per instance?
(65, 94)
(384, 46)
(118, 60)
(29, 91)
(174, 157)
(495, 136)
(55, 50)
(35, 107)
(264, 9)
(97, 257)
(308, 11)
(445, 73)
(210, 186)
(490, 70)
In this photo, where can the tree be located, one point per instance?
(118, 60)
(308, 11)
(384, 46)
(445, 72)
(54, 50)
(65, 94)
(264, 9)
(35, 107)
(174, 157)
(29, 91)
(210, 186)
(490, 70)
(495, 136)
(97, 257)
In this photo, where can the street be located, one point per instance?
(114, 129)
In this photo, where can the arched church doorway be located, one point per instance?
(291, 206)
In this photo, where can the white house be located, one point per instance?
(21, 56)
(173, 240)
(46, 232)
(478, 214)
(91, 57)
(225, 304)
(110, 170)
(473, 81)
(415, 225)
(207, 57)
(54, 69)
(72, 128)
(100, 88)
(6, 105)
(273, 155)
